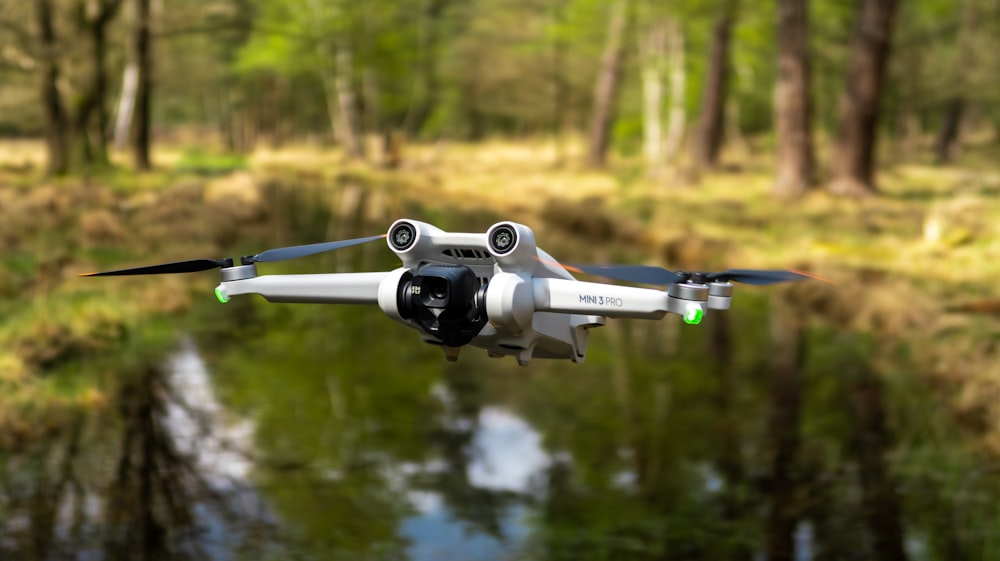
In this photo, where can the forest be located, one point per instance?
(679, 83)
(854, 418)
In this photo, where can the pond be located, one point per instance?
(284, 431)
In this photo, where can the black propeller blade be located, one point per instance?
(757, 276)
(649, 274)
(268, 256)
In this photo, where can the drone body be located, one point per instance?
(495, 290)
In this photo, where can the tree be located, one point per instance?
(955, 106)
(90, 121)
(426, 79)
(793, 112)
(652, 51)
(676, 116)
(608, 83)
(788, 352)
(854, 148)
(712, 115)
(143, 59)
(56, 123)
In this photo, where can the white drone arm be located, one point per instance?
(336, 288)
(590, 298)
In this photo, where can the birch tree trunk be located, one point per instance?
(126, 104)
(793, 113)
(337, 78)
(608, 82)
(144, 86)
(350, 129)
(652, 50)
(677, 116)
(560, 87)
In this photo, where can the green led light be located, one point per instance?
(221, 295)
(693, 315)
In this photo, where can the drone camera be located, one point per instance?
(433, 291)
(445, 301)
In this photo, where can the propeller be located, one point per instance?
(268, 256)
(649, 274)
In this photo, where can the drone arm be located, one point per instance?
(336, 288)
(608, 300)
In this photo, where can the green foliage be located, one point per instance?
(203, 162)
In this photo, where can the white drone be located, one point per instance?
(495, 290)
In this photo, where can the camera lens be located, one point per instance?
(403, 236)
(503, 239)
(434, 291)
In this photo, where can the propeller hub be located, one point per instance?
(698, 278)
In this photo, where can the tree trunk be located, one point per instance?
(426, 84)
(144, 86)
(560, 88)
(712, 117)
(792, 106)
(126, 104)
(99, 129)
(652, 49)
(949, 129)
(955, 109)
(608, 83)
(350, 120)
(728, 426)
(676, 118)
(854, 149)
(56, 121)
(787, 355)
(879, 498)
(91, 116)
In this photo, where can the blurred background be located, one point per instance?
(141, 420)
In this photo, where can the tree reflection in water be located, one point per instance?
(117, 485)
(327, 436)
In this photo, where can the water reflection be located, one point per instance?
(783, 446)
(329, 432)
(219, 444)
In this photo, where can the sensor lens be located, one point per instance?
(503, 239)
(403, 236)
